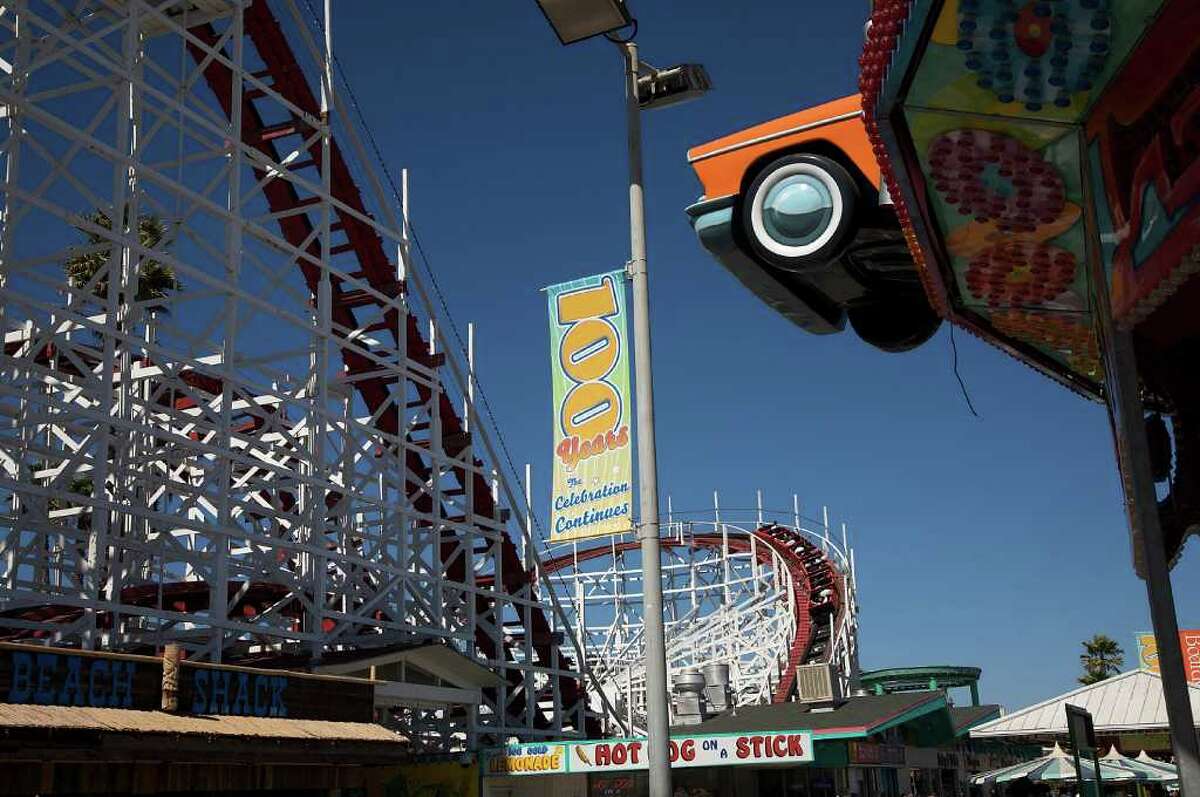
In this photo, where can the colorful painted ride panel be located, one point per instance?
(1007, 199)
(1143, 151)
(1031, 137)
(1039, 59)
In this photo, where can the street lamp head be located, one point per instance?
(659, 88)
(576, 20)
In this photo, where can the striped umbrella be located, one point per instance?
(1144, 758)
(1156, 772)
(1057, 766)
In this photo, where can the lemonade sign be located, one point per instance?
(526, 759)
(593, 464)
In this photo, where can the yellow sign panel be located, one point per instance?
(535, 759)
(1147, 652)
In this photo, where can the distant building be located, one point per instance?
(1127, 709)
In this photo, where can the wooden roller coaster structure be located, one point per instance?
(280, 453)
(766, 595)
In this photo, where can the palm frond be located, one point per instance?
(156, 280)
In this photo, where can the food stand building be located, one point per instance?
(85, 722)
(866, 746)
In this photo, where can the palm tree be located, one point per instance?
(1102, 658)
(79, 485)
(156, 280)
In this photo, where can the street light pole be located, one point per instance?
(657, 725)
(573, 21)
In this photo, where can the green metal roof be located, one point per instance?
(965, 718)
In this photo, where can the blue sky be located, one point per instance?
(997, 541)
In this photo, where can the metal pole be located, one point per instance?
(1127, 418)
(525, 558)
(469, 399)
(657, 740)
(1125, 411)
(404, 224)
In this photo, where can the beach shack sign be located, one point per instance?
(617, 755)
(50, 677)
(66, 677)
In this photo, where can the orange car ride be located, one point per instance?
(795, 209)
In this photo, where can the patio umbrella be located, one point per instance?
(1057, 766)
(1145, 758)
(1156, 772)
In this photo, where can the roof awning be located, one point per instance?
(439, 676)
(1129, 702)
(437, 659)
(967, 717)
(15, 717)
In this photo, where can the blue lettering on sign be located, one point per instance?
(72, 688)
(200, 692)
(47, 666)
(122, 684)
(96, 691)
(709, 744)
(71, 680)
(241, 704)
(55, 679)
(21, 688)
(262, 697)
(242, 693)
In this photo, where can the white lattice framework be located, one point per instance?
(730, 590)
(280, 455)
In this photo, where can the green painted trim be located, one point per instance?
(706, 206)
(995, 715)
(860, 734)
(912, 678)
(831, 755)
(937, 701)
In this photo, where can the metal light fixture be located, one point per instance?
(576, 20)
(658, 88)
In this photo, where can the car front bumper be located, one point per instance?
(712, 219)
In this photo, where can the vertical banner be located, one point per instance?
(589, 365)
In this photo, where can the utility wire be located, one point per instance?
(961, 385)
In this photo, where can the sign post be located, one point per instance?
(1083, 745)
